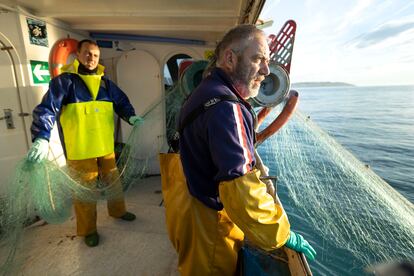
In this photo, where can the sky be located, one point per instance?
(362, 42)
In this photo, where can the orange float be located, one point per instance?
(60, 53)
(281, 50)
(282, 119)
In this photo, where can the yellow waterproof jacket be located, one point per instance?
(84, 106)
(88, 127)
(207, 241)
(254, 211)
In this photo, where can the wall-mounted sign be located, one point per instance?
(37, 32)
(40, 71)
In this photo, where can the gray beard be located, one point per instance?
(240, 78)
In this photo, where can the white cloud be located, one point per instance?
(356, 14)
(374, 45)
(390, 31)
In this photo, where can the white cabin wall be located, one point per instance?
(35, 92)
(11, 36)
(155, 131)
(13, 142)
(14, 32)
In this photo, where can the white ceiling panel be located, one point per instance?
(187, 19)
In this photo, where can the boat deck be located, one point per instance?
(140, 247)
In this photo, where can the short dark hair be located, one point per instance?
(85, 41)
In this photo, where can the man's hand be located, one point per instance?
(135, 120)
(299, 244)
(38, 151)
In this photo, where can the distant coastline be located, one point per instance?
(322, 84)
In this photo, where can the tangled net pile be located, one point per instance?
(46, 189)
(342, 199)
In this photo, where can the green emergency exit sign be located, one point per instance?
(40, 71)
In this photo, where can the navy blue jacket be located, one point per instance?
(69, 88)
(219, 144)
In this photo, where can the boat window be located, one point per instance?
(171, 69)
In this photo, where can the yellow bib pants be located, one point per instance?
(207, 241)
(88, 170)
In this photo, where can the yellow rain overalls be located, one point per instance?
(207, 241)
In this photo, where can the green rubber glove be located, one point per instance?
(135, 120)
(39, 150)
(299, 244)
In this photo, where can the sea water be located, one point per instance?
(376, 124)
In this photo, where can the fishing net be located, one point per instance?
(339, 203)
(326, 191)
(45, 190)
(176, 96)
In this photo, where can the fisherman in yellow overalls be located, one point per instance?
(214, 196)
(82, 101)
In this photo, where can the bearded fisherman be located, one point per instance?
(223, 199)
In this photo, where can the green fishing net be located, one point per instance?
(45, 190)
(176, 96)
(339, 203)
(335, 194)
(336, 197)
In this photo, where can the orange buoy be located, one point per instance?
(262, 115)
(282, 119)
(59, 54)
